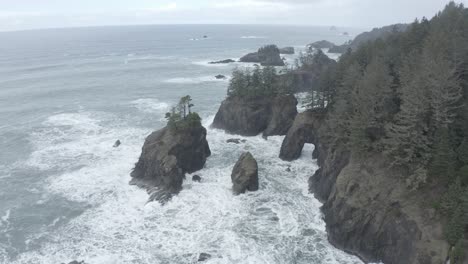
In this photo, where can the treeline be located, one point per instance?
(406, 97)
(258, 82)
(322, 68)
(312, 65)
(181, 115)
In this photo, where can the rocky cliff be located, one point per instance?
(252, 116)
(166, 156)
(302, 131)
(370, 212)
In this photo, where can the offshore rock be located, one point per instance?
(287, 50)
(222, 61)
(245, 174)
(166, 156)
(267, 56)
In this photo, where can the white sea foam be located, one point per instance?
(302, 101)
(253, 37)
(195, 80)
(150, 105)
(280, 223)
(6, 216)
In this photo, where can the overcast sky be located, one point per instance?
(31, 14)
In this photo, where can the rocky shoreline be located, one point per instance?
(368, 210)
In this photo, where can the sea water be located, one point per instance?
(66, 95)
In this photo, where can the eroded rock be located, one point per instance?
(166, 156)
(245, 174)
(302, 131)
(252, 116)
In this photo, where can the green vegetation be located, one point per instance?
(181, 115)
(323, 68)
(405, 97)
(258, 82)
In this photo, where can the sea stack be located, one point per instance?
(180, 147)
(245, 174)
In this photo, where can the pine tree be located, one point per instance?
(442, 164)
(369, 99)
(408, 142)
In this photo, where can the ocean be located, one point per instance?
(66, 95)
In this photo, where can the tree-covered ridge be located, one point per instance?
(267, 81)
(181, 115)
(406, 97)
(263, 82)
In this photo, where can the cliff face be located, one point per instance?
(370, 212)
(252, 116)
(302, 131)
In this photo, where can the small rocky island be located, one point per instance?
(180, 147)
(253, 109)
(267, 56)
(245, 174)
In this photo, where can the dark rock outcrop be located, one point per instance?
(250, 57)
(196, 178)
(283, 111)
(245, 174)
(287, 50)
(117, 144)
(302, 131)
(204, 257)
(322, 44)
(370, 212)
(236, 140)
(309, 75)
(222, 61)
(166, 156)
(252, 116)
(220, 77)
(267, 56)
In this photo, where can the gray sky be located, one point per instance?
(30, 14)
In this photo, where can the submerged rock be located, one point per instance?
(222, 61)
(252, 116)
(234, 140)
(196, 178)
(245, 174)
(204, 257)
(287, 50)
(302, 131)
(166, 156)
(267, 56)
(116, 144)
(220, 77)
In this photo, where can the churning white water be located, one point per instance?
(64, 192)
(280, 223)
